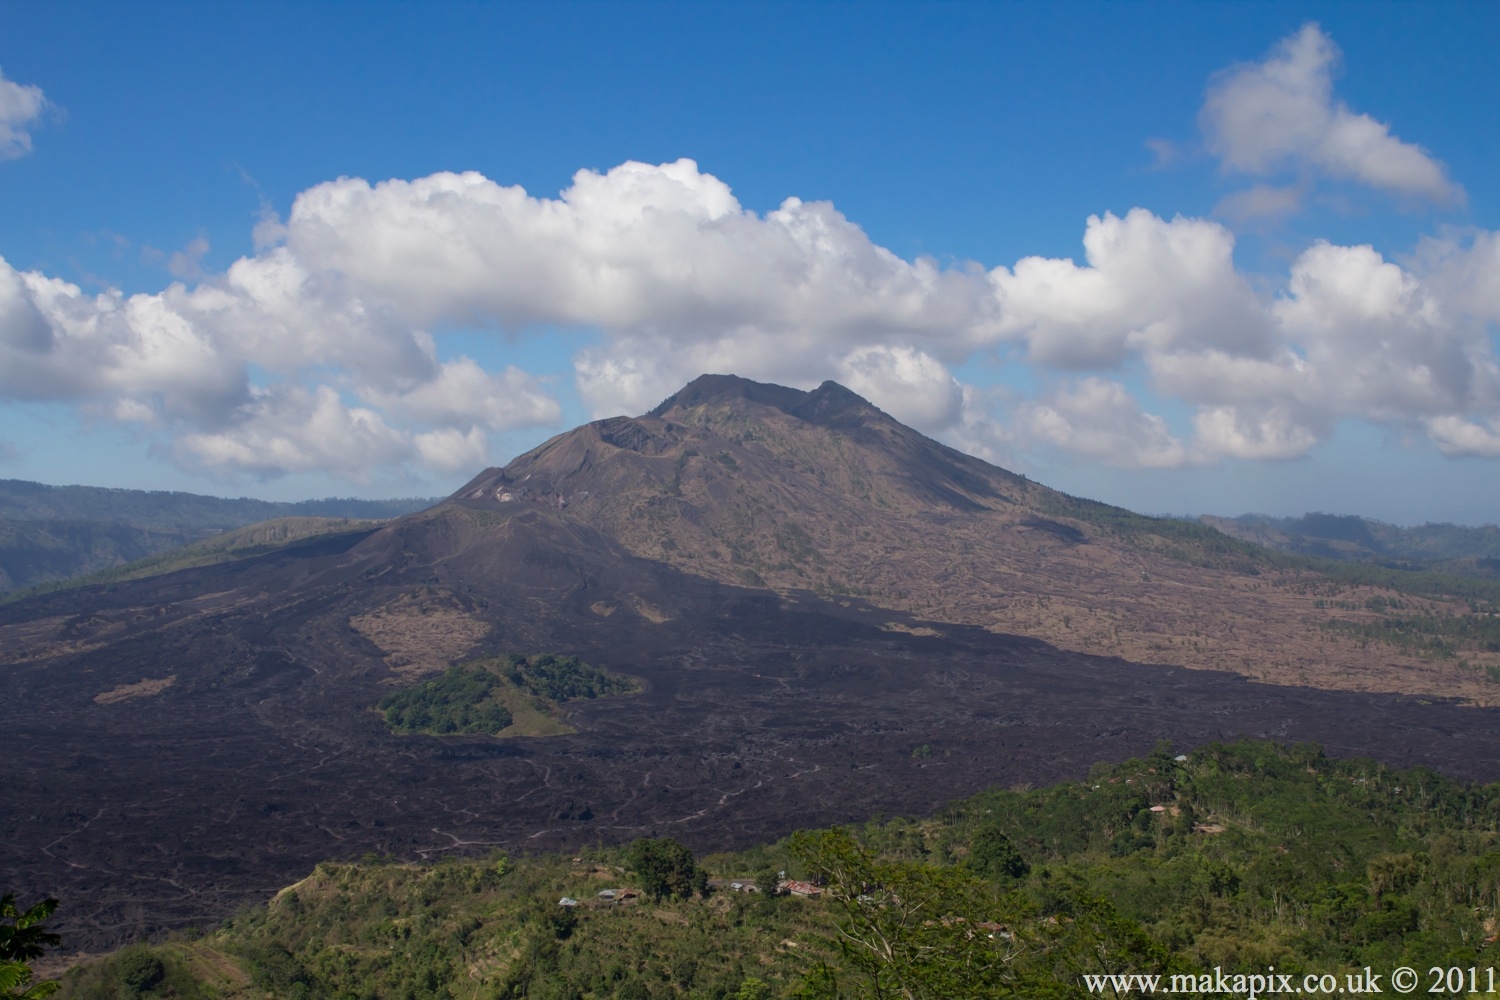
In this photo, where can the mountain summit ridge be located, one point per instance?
(826, 404)
(714, 388)
(735, 415)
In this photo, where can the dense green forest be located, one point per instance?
(461, 701)
(562, 678)
(1237, 856)
(480, 697)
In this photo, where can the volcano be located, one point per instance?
(808, 591)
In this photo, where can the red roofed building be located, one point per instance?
(801, 888)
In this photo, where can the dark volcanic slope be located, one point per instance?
(190, 742)
(760, 715)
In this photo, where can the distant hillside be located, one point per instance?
(229, 546)
(26, 501)
(54, 533)
(1344, 537)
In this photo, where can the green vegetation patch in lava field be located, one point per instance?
(511, 696)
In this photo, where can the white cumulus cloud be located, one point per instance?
(1281, 114)
(182, 360)
(460, 391)
(910, 385)
(1099, 419)
(663, 259)
(293, 429)
(449, 450)
(1256, 432)
(21, 107)
(1147, 284)
(1458, 437)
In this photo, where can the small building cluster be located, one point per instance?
(617, 895)
(743, 887)
(605, 897)
(797, 888)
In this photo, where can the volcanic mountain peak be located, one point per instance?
(830, 404)
(727, 442)
(709, 389)
(766, 486)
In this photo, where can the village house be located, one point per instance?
(797, 888)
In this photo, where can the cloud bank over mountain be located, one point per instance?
(322, 349)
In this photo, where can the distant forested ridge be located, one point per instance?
(1451, 547)
(21, 500)
(53, 533)
(1236, 856)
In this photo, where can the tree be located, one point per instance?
(993, 856)
(22, 939)
(911, 930)
(1104, 941)
(666, 868)
(1392, 873)
(753, 988)
(15, 982)
(563, 921)
(767, 880)
(139, 970)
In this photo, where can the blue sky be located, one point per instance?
(242, 254)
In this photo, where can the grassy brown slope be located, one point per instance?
(763, 486)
